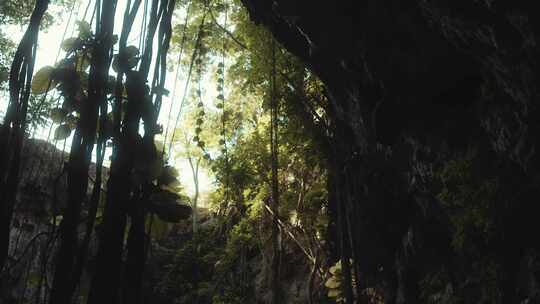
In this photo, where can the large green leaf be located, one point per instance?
(58, 115)
(165, 205)
(71, 121)
(62, 132)
(160, 147)
(131, 51)
(168, 176)
(42, 81)
(84, 28)
(126, 60)
(70, 44)
(171, 171)
(173, 213)
(334, 293)
(332, 283)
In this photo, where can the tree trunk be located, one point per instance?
(276, 237)
(13, 130)
(134, 269)
(81, 154)
(106, 282)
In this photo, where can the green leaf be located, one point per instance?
(58, 115)
(334, 293)
(173, 185)
(62, 132)
(173, 213)
(336, 268)
(70, 44)
(131, 51)
(170, 171)
(332, 283)
(159, 145)
(132, 62)
(127, 59)
(168, 175)
(71, 121)
(165, 205)
(42, 81)
(84, 28)
(161, 91)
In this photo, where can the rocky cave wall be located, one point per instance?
(416, 87)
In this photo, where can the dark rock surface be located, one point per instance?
(41, 197)
(43, 176)
(418, 88)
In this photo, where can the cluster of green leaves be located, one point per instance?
(14, 14)
(242, 128)
(188, 275)
(17, 12)
(200, 114)
(334, 283)
(471, 194)
(473, 197)
(70, 79)
(7, 48)
(203, 268)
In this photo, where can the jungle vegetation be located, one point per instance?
(377, 155)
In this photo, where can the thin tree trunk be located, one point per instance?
(81, 154)
(94, 204)
(136, 253)
(134, 269)
(106, 282)
(341, 229)
(12, 131)
(276, 242)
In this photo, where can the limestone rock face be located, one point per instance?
(43, 180)
(41, 197)
(423, 93)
